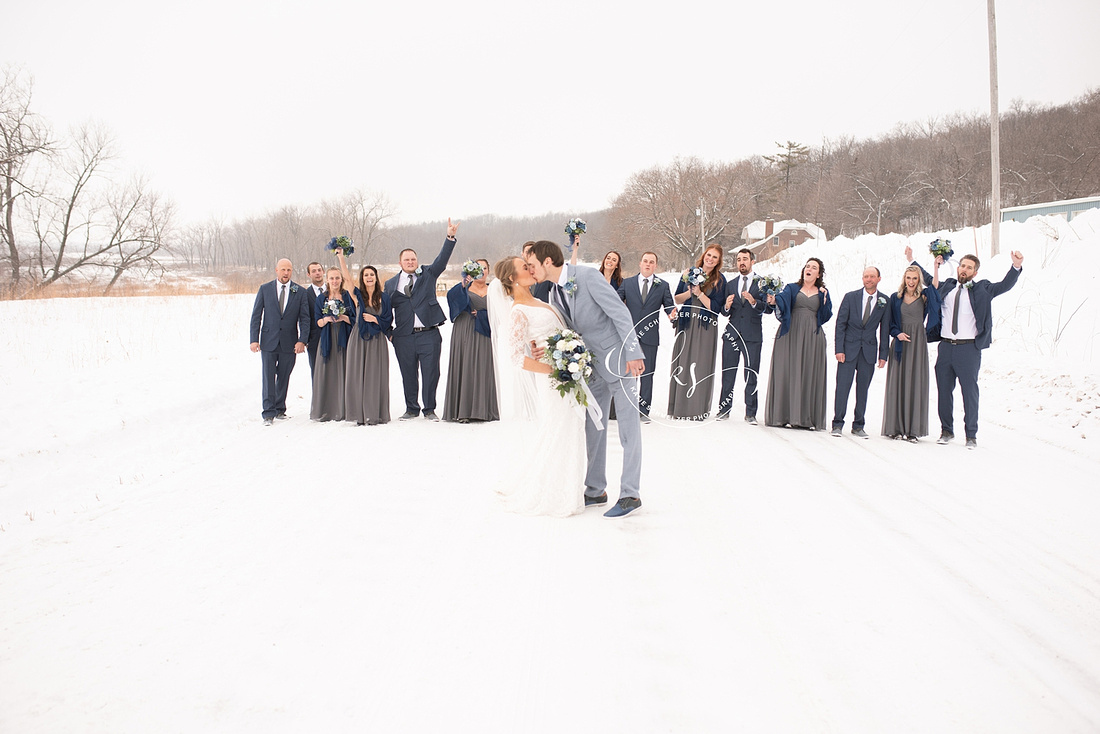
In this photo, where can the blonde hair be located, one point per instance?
(920, 281)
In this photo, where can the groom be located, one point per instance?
(595, 310)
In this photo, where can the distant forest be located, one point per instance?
(922, 176)
(64, 218)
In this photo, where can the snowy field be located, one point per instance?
(167, 564)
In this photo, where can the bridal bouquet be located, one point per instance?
(473, 269)
(694, 276)
(941, 246)
(771, 284)
(575, 227)
(343, 242)
(570, 360)
(334, 307)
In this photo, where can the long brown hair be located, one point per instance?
(617, 275)
(375, 298)
(715, 274)
(820, 283)
(505, 270)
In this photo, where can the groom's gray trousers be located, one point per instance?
(625, 392)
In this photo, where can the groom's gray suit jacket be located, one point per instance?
(603, 321)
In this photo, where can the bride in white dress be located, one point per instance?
(548, 429)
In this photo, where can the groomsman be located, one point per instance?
(279, 331)
(416, 320)
(744, 336)
(966, 328)
(646, 296)
(314, 289)
(862, 337)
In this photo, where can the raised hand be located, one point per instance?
(452, 229)
(1017, 259)
(729, 301)
(908, 254)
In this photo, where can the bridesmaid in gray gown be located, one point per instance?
(367, 382)
(328, 376)
(691, 384)
(797, 381)
(471, 383)
(905, 414)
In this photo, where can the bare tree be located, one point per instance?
(23, 137)
(85, 224)
(662, 203)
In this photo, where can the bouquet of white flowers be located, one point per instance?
(571, 363)
(694, 276)
(334, 307)
(473, 269)
(342, 242)
(771, 284)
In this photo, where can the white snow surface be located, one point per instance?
(168, 564)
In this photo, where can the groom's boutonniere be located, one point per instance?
(570, 286)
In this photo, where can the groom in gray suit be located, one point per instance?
(593, 308)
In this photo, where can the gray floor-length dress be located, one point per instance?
(691, 400)
(905, 412)
(471, 385)
(367, 384)
(797, 381)
(328, 381)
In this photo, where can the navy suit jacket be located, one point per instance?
(981, 300)
(743, 316)
(314, 329)
(853, 337)
(784, 304)
(423, 303)
(647, 316)
(279, 332)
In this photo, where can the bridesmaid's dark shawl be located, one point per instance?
(932, 305)
(345, 329)
(367, 330)
(784, 304)
(693, 311)
(458, 301)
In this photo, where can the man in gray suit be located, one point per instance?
(862, 338)
(593, 308)
(279, 331)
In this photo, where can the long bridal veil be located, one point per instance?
(515, 386)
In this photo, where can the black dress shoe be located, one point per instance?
(590, 501)
(409, 415)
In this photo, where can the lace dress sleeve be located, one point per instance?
(517, 337)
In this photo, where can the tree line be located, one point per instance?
(68, 213)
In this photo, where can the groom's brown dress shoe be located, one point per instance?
(601, 500)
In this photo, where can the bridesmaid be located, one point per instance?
(693, 353)
(915, 311)
(611, 269)
(328, 377)
(367, 383)
(471, 382)
(797, 382)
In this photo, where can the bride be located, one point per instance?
(548, 429)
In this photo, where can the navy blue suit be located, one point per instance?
(647, 317)
(863, 345)
(419, 348)
(744, 334)
(962, 359)
(314, 329)
(277, 334)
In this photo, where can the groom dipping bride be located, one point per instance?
(591, 307)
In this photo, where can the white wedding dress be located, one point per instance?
(545, 430)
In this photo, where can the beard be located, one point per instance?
(964, 278)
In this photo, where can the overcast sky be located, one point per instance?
(454, 109)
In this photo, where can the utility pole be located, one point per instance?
(994, 133)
